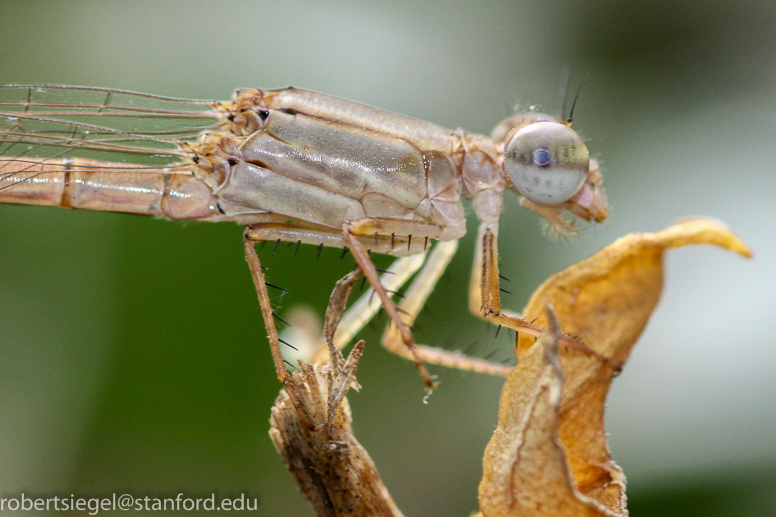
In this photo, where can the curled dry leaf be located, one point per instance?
(548, 455)
(525, 470)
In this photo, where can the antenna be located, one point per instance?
(574, 104)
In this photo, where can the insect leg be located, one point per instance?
(359, 314)
(269, 323)
(484, 299)
(413, 302)
(266, 308)
(366, 265)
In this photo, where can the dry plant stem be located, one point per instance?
(346, 378)
(332, 469)
(334, 311)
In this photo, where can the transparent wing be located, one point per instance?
(48, 123)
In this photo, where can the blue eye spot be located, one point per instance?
(541, 157)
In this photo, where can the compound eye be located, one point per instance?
(547, 162)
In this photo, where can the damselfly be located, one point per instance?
(306, 168)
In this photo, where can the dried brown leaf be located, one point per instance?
(605, 301)
(525, 470)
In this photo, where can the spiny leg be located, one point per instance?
(484, 298)
(278, 228)
(366, 265)
(412, 303)
(385, 241)
(269, 323)
(364, 309)
(387, 234)
(266, 308)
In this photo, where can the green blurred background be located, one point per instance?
(132, 352)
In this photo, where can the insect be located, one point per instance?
(307, 168)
